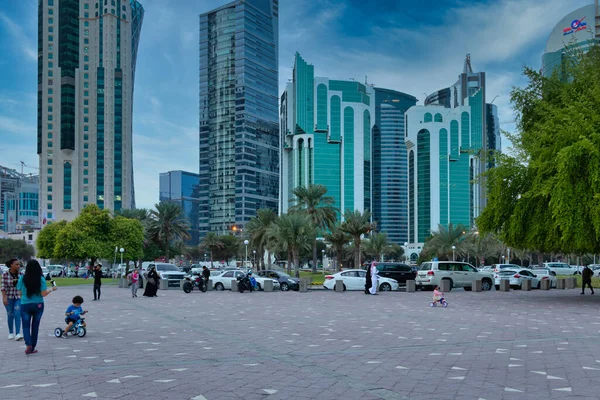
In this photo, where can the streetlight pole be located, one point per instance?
(246, 244)
(405, 252)
(204, 257)
(323, 260)
(453, 253)
(254, 263)
(121, 250)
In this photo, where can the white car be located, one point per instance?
(561, 268)
(223, 280)
(545, 274)
(500, 267)
(516, 278)
(460, 274)
(596, 269)
(355, 279)
(55, 270)
(167, 271)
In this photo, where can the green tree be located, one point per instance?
(439, 243)
(10, 248)
(211, 243)
(377, 245)
(313, 200)
(128, 233)
(167, 223)
(357, 224)
(86, 237)
(257, 231)
(231, 247)
(545, 196)
(46, 240)
(338, 240)
(294, 231)
(395, 252)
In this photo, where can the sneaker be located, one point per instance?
(19, 337)
(65, 335)
(11, 336)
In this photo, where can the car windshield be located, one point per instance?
(425, 266)
(166, 267)
(505, 272)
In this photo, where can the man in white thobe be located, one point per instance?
(374, 278)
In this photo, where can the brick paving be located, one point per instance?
(315, 345)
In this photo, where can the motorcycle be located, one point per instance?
(244, 284)
(197, 282)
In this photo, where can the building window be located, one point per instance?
(85, 181)
(49, 179)
(49, 117)
(86, 67)
(50, 56)
(86, 49)
(49, 64)
(86, 120)
(85, 172)
(85, 111)
(49, 206)
(49, 153)
(86, 32)
(49, 109)
(85, 146)
(86, 41)
(86, 14)
(49, 144)
(85, 163)
(124, 8)
(50, 2)
(85, 154)
(86, 137)
(50, 73)
(50, 171)
(86, 58)
(124, 16)
(112, 2)
(50, 100)
(86, 93)
(86, 76)
(85, 198)
(50, 29)
(86, 85)
(86, 6)
(49, 197)
(49, 126)
(50, 39)
(96, 13)
(49, 90)
(85, 103)
(50, 20)
(49, 162)
(50, 137)
(112, 11)
(50, 82)
(86, 23)
(50, 47)
(96, 5)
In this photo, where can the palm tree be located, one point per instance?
(257, 231)
(357, 224)
(167, 223)
(338, 240)
(440, 243)
(211, 242)
(377, 245)
(142, 215)
(296, 232)
(319, 207)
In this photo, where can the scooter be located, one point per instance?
(244, 284)
(198, 282)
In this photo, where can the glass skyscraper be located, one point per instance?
(325, 133)
(86, 64)
(239, 144)
(181, 188)
(390, 167)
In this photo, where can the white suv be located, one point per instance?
(460, 274)
(561, 268)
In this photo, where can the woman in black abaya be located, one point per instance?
(152, 283)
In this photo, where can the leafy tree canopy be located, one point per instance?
(10, 248)
(547, 195)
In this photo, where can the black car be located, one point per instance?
(286, 281)
(398, 271)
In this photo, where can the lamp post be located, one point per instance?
(405, 251)
(121, 250)
(246, 244)
(204, 257)
(323, 260)
(453, 253)
(254, 263)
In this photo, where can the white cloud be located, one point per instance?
(25, 43)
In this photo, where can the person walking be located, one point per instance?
(11, 298)
(205, 275)
(374, 278)
(134, 278)
(586, 279)
(97, 281)
(32, 287)
(152, 283)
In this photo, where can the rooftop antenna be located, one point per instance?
(467, 68)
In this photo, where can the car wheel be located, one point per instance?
(219, 286)
(486, 285)
(284, 287)
(385, 287)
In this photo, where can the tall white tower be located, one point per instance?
(86, 64)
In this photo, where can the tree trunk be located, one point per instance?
(314, 266)
(211, 259)
(340, 255)
(357, 253)
(289, 262)
(268, 260)
(296, 263)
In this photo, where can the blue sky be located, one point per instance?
(415, 46)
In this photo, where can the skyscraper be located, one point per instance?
(239, 144)
(181, 188)
(86, 65)
(390, 173)
(326, 138)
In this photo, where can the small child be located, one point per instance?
(73, 313)
(438, 295)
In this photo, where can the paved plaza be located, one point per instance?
(315, 345)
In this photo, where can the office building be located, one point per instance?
(448, 148)
(575, 32)
(87, 53)
(19, 195)
(182, 188)
(239, 147)
(325, 129)
(390, 166)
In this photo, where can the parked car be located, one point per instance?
(596, 269)
(487, 268)
(516, 278)
(223, 280)
(460, 274)
(561, 268)
(166, 271)
(55, 270)
(499, 267)
(355, 279)
(545, 274)
(397, 271)
(286, 282)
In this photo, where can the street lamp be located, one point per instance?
(204, 257)
(453, 253)
(323, 260)
(405, 251)
(246, 244)
(122, 250)
(254, 263)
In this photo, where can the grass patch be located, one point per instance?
(595, 281)
(61, 282)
